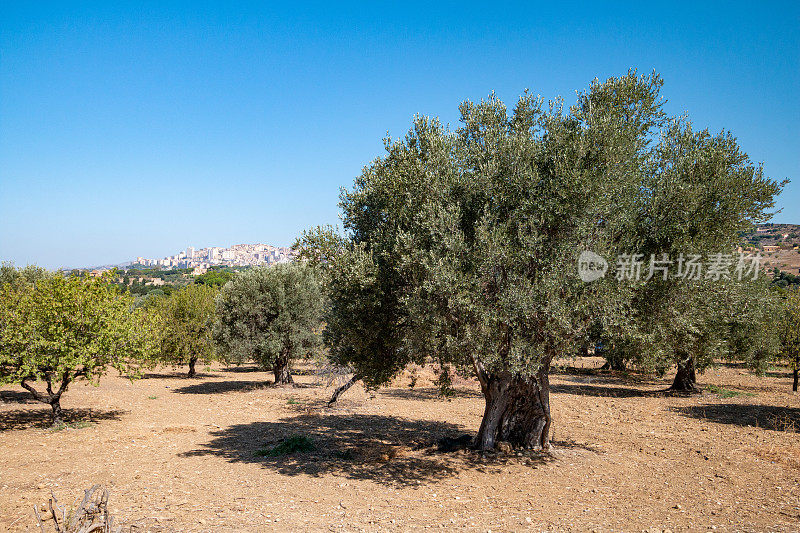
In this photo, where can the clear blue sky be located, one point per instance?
(129, 130)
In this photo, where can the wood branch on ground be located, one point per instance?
(90, 516)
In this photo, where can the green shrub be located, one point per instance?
(294, 444)
(727, 393)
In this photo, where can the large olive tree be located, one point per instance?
(463, 245)
(56, 329)
(270, 315)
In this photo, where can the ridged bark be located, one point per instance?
(686, 377)
(517, 411)
(281, 371)
(58, 418)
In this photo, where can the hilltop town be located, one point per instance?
(237, 255)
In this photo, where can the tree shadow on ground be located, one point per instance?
(787, 374)
(40, 418)
(176, 374)
(763, 416)
(607, 391)
(576, 371)
(15, 396)
(623, 377)
(569, 443)
(243, 369)
(220, 387)
(427, 393)
(733, 364)
(387, 450)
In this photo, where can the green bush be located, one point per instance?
(294, 444)
(727, 393)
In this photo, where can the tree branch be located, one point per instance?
(480, 371)
(36, 394)
(65, 381)
(343, 388)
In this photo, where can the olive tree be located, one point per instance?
(271, 315)
(28, 274)
(463, 245)
(187, 317)
(57, 329)
(789, 331)
(706, 321)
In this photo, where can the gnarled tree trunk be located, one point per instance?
(58, 418)
(192, 363)
(53, 399)
(281, 370)
(614, 362)
(795, 378)
(517, 410)
(686, 377)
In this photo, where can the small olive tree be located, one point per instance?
(11, 274)
(706, 322)
(58, 329)
(271, 315)
(187, 318)
(789, 331)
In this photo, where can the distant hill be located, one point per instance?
(779, 245)
(98, 267)
(774, 234)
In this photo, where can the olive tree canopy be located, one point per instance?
(187, 316)
(270, 315)
(463, 245)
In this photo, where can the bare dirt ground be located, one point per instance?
(178, 454)
(786, 260)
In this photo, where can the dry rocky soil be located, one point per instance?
(786, 260)
(181, 454)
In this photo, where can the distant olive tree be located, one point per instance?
(28, 274)
(187, 318)
(789, 330)
(214, 278)
(270, 315)
(706, 322)
(57, 329)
